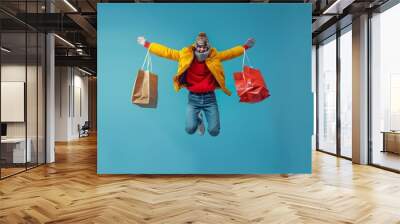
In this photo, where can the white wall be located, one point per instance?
(33, 127)
(16, 72)
(62, 81)
(71, 102)
(13, 101)
(81, 103)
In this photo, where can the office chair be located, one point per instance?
(84, 130)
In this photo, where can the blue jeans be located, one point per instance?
(207, 103)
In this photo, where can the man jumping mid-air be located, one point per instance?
(200, 71)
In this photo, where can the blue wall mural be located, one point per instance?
(273, 136)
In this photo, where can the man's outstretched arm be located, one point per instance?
(159, 49)
(236, 51)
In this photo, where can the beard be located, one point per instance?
(201, 56)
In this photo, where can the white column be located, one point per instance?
(50, 92)
(360, 90)
(50, 100)
(62, 103)
(314, 91)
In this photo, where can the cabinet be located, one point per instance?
(391, 141)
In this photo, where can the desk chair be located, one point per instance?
(84, 130)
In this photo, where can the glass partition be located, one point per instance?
(41, 91)
(22, 101)
(385, 89)
(14, 153)
(32, 95)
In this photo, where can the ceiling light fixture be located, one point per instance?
(84, 71)
(65, 41)
(329, 9)
(70, 5)
(5, 50)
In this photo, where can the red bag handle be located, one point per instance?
(248, 60)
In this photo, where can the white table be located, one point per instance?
(19, 155)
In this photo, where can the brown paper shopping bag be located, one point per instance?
(144, 91)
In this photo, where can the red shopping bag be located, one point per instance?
(250, 85)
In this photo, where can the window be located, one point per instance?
(327, 95)
(346, 92)
(385, 88)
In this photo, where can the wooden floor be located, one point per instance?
(5, 172)
(70, 191)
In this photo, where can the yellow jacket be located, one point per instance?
(185, 57)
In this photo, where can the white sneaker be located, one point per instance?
(200, 126)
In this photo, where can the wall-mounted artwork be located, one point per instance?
(204, 88)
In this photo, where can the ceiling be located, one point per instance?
(76, 21)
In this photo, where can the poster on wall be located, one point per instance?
(204, 88)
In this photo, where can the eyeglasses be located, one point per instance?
(202, 49)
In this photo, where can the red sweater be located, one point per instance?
(199, 78)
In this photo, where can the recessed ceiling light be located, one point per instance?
(84, 71)
(64, 40)
(328, 10)
(5, 50)
(70, 5)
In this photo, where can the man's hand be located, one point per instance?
(249, 43)
(141, 40)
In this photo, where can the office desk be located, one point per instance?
(15, 148)
(391, 141)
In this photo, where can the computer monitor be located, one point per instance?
(3, 129)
